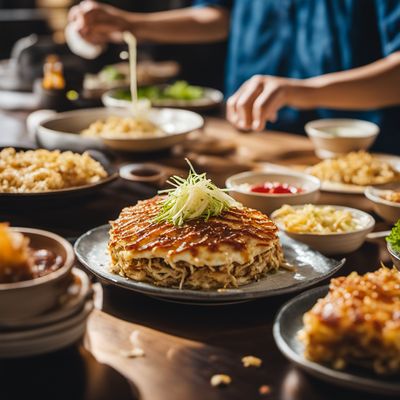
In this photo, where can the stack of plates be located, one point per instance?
(53, 330)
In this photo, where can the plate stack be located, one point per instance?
(57, 328)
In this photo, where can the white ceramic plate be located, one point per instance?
(289, 322)
(311, 268)
(337, 187)
(211, 98)
(62, 130)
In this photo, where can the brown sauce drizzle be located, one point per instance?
(136, 228)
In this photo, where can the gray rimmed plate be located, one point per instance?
(289, 322)
(311, 268)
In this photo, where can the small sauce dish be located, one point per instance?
(142, 172)
(239, 184)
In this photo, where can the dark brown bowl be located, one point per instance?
(33, 297)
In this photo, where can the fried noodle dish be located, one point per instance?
(233, 249)
(196, 237)
(41, 170)
(357, 323)
(356, 168)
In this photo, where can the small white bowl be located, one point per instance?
(267, 203)
(388, 210)
(334, 137)
(335, 243)
(26, 299)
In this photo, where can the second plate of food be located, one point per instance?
(37, 176)
(310, 267)
(311, 327)
(355, 171)
(178, 95)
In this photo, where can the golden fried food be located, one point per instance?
(358, 322)
(234, 248)
(14, 255)
(41, 170)
(356, 168)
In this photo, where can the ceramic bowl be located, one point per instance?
(335, 243)
(388, 210)
(267, 203)
(33, 297)
(335, 137)
(61, 131)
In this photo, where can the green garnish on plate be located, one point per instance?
(111, 73)
(394, 237)
(195, 197)
(180, 90)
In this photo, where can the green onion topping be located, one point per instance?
(193, 198)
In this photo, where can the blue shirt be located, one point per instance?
(306, 38)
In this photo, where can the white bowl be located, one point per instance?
(26, 299)
(335, 243)
(267, 203)
(62, 130)
(388, 210)
(354, 135)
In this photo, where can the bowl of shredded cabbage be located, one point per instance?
(329, 229)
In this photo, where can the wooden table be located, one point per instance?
(184, 345)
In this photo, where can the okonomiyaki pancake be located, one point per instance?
(358, 322)
(234, 248)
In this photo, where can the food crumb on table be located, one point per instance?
(220, 380)
(264, 390)
(251, 361)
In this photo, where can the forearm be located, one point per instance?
(187, 25)
(372, 86)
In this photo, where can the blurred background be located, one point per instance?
(42, 22)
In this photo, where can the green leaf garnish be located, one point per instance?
(394, 237)
(193, 198)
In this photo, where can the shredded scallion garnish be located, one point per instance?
(193, 198)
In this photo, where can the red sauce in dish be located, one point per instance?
(275, 188)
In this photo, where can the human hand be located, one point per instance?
(98, 23)
(259, 99)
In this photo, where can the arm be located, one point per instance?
(100, 23)
(371, 86)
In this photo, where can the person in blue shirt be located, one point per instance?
(289, 61)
